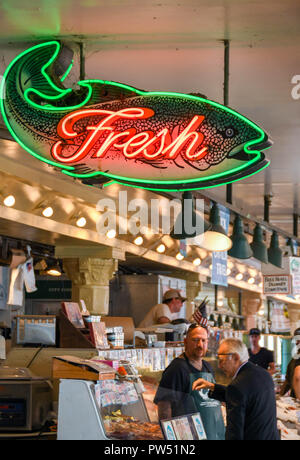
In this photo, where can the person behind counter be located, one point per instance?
(250, 397)
(174, 396)
(292, 377)
(260, 355)
(164, 312)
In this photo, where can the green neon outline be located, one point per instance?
(62, 79)
(67, 169)
(3, 113)
(191, 189)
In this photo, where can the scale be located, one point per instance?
(25, 400)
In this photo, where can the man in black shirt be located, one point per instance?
(260, 355)
(175, 397)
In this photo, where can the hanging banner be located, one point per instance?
(280, 322)
(277, 284)
(294, 263)
(219, 259)
(103, 131)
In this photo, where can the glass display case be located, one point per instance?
(105, 409)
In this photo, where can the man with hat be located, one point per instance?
(260, 355)
(292, 377)
(165, 312)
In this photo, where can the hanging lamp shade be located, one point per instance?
(290, 246)
(274, 251)
(188, 224)
(260, 250)
(216, 238)
(240, 246)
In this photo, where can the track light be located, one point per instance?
(215, 238)
(179, 256)
(189, 224)
(54, 268)
(240, 246)
(197, 261)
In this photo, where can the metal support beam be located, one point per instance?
(226, 102)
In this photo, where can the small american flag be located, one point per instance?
(200, 315)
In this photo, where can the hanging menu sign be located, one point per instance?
(276, 284)
(219, 259)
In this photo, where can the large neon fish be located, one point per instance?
(106, 131)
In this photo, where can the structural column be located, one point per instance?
(90, 277)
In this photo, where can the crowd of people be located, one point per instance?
(188, 385)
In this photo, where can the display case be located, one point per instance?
(104, 410)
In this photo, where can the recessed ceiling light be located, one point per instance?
(138, 240)
(9, 200)
(47, 212)
(111, 233)
(161, 248)
(81, 222)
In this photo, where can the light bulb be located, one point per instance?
(138, 240)
(251, 280)
(161, 248)
(81, 222)
(9, 200)
(197, 261)
(179, 256)
(47, 212)
(239, 276)
(111, 233)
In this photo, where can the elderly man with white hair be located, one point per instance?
(250, 397)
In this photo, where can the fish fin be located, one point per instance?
(241, 155)
(106, 91)
(40, 70)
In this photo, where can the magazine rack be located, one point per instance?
(71, 336)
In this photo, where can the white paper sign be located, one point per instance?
(276, 284)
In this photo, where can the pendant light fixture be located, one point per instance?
(260, 250)
(216, 238)
(274, 251)
(188, 224)
(240, 246)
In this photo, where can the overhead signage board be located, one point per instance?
(276, 284)
(104, 131)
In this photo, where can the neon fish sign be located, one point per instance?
(109, 131)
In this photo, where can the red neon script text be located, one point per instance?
(146, 144)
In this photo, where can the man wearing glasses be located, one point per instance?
(175, 397)
(250, 397)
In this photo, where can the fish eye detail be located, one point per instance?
(229, 132)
